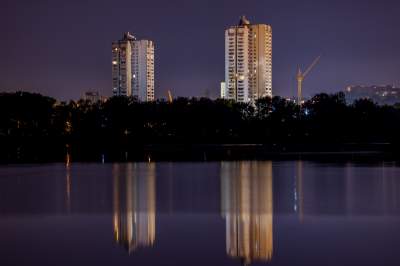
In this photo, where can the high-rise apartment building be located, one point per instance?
(143, 70)
(248, 61)
(122, 65)
(133, 68)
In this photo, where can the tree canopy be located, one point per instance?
(126, 122)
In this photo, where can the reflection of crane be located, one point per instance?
(301, 76)
(170, 99)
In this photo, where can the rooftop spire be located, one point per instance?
(243, 21)
(129, 36)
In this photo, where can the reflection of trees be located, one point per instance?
(247, 206)
(134, 205)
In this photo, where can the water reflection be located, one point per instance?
(349, 190)
(247, 206)
(68, 187)
(299, 202)
(338, 203)
(134, 205)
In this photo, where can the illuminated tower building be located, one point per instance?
(247, 206)
(122, 65)
(133, 68)
(143, 70)
(134, 215)
(248, 61)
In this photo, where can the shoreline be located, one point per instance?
(209, 153)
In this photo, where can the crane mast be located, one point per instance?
(300, 78)
(170, 99)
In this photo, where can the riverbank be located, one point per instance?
(201, 152)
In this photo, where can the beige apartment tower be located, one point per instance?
(248, 61)
(133, 68)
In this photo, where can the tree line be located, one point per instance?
(31, 121)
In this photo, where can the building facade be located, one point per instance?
(93, 96)
(223, 90)
(133, 68)
(248, 61)
(122, 65)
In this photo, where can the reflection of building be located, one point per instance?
(134, 205)
(298, 192)
(247, 206)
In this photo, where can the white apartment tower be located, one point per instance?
(248, 61)
(143, 70)
(133, 68)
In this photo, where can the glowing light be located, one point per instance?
(68, 127)
(114, 62)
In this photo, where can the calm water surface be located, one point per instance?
(227, 213)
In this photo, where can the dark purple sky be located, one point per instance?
(62, 48)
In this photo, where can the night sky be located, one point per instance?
(62, 48)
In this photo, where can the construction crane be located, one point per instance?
(170, 99)
(301, 76)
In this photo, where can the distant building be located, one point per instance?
(223, 90)
(248, 61)
(93, 96)
(385, 94)
(133, 68)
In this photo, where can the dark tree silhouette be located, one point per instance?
(32, 125)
